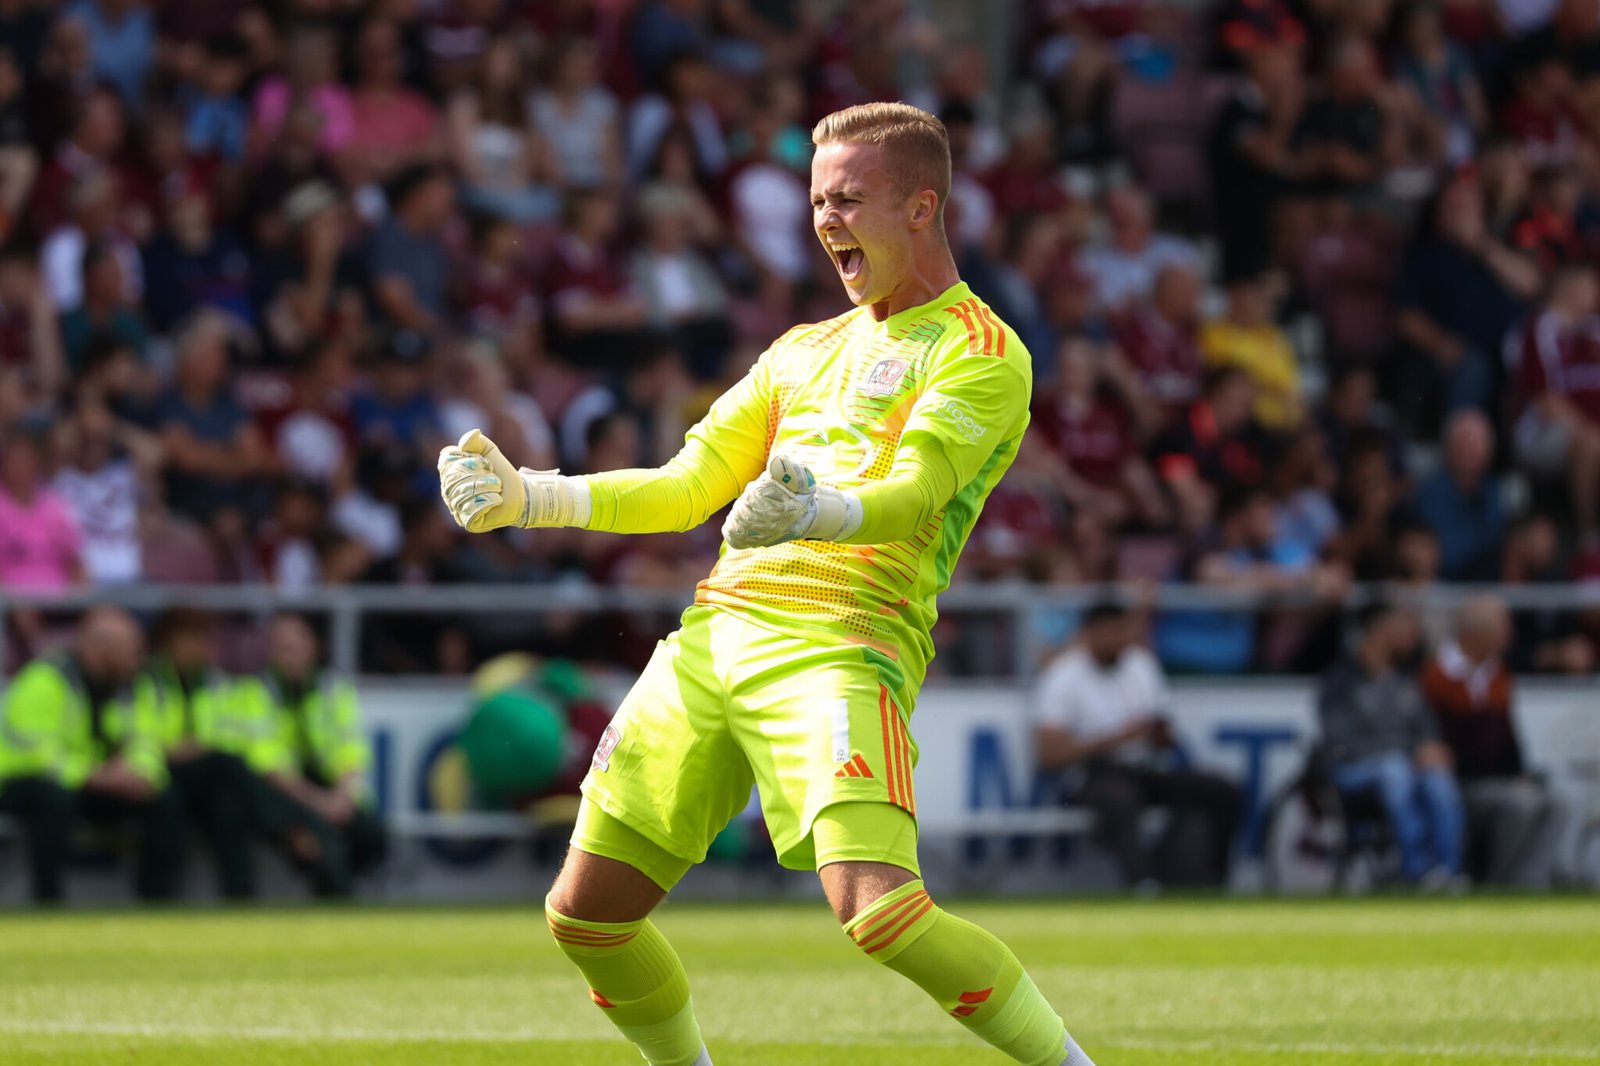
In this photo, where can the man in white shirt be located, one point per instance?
(1101, 712)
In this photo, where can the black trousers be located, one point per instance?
(218, 795)
(343, 852)
(1199, 839)
(48, 811)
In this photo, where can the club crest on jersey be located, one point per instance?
(603, 750)
(885, 376)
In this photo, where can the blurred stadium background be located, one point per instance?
(1310, 291)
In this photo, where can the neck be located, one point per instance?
(923, 282)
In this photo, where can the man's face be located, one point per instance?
(862, 219)
(1107, 639)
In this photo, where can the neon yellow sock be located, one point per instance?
(971, 975)
(638, 981)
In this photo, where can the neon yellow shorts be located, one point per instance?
(724, 705)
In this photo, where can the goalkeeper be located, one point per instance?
(857, 453)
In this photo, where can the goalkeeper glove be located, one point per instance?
(483, 491)
(785, 503)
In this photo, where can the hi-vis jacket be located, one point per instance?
(50, 726)
(314, 732)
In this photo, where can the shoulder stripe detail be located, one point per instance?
(974, 314)
(999, 332)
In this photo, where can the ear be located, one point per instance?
(924, 208)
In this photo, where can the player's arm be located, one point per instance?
(971, 405)
(720, 455)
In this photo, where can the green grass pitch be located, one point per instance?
(1258, 982)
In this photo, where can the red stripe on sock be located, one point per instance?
(907, 924)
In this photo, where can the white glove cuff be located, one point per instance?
(553, 500)
(837, 515)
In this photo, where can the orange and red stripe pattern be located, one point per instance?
(856, 767)
(566, 932)
(985, 334)
(896, 754)
(882, 930)
(971, 1001)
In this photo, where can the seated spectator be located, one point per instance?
(1460, 293)
(293, 535)
(310, 290)
(578, 119)
(213, 450)
(1461, 501)
(1378, 737)
(1161, 340)
(311, 432)
(1353, 132)
(499, 300)
(684, 102)
(1539, 111)
(1215, 447)
(30, 342)
(597, 317)
(73, 745)
(1247, 552)
(104, 313)
(1103, 712)
(429, 554)
(684, 298)
(486, 398)
(216, 117)
(1096, 460)
(122, 40)
(40, 546)
(1349, 416)
(101, 483)
(1302, 483)
(189, 702)
(393, 128)
(192, 263)
(770, 209)
(395, 408)
(1546, 641)
(310, 80)
(1559, 378)
(1470, 689)
(312, 758)
(406, 258)
(1246, 336)
(96, 204)
(1373, 509)
(1126, 266)
(1440, 73)
(500, 160)
(19, 162)
(91, 149)
(1548, 230)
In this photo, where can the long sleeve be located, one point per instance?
(721, 454)
(31, 724)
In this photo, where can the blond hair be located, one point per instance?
(917, 142)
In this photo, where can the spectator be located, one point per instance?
(311, 290)
(1461, 292)
(1096, 460)
(1559, 430)
(500, 159)
(1350, 417)
(122, 40)
(596, 314)
(73, 745)
(487, 398)
(1545, 641)
(770, 210)
(1161, 340)
(1247, 337)
(1379, 738)
(1126, 266)
(1373, 509)
(1215, 447)
(101, 482)
(1103, 711)
(394, 128)
(500, 302)
(189, 702)
(578, 118)
(104, 312)
(429, 555)
(19, 162)
(1351, 134)
(191, 264)
(40, 547)
(1470, 689)
(95, 204)
(216, 117)
(1302, 484)
(684, 298)
(684, 103)
(1434, 67)
(407, 258)
(29, 339)
(292, 541)
(312, 757)
(396, 408)
(1461, 501)
(213, 450)
(311, 81)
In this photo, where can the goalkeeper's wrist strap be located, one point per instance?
(837, 515)
(553, 500)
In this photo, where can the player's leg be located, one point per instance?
(665, 780)
(867, 861)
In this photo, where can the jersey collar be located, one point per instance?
(901, 319)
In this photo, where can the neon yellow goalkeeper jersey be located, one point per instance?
(943, 387)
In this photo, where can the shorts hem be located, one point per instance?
(612, 809)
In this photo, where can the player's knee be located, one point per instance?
(852, 887)
(591, 888)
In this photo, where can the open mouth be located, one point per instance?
(850, 259)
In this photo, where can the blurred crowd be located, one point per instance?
(1308, 284)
